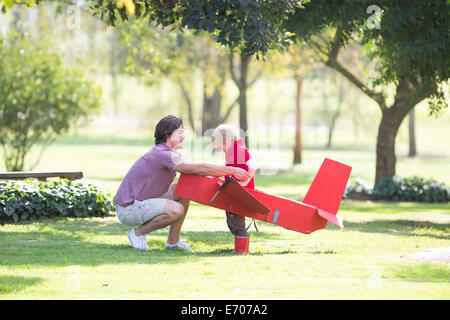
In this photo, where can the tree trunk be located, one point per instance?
(331, 127)
(412, 135)
(243, 123)
(385, 161)
(188, 100)
(211, 109)
(407, 96)
(298, 138)
(113, 72)
(387, 131)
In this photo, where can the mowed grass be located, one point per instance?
(92, 259)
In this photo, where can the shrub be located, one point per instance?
(410, 189)
(31, 200)
(358, 189)
(40, 98)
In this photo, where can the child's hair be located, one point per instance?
(224, 134)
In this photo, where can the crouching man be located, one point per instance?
(145, 198)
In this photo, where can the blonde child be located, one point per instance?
(225, 138)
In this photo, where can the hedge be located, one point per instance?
(31, 199)
(401, 189)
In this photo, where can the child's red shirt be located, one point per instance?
(237, 156)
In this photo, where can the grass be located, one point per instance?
(91, 258)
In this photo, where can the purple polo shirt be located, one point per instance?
(150, 176)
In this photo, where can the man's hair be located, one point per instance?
(224, 133)
(165, 127)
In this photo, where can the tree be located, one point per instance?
(296, 61)
(240, 79)
(251, 25)
(155, 53)
(330, 110)
(247, 27)
(412, 134)
(39, 98)
(407, 42)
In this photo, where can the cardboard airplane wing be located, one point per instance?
(319, 206)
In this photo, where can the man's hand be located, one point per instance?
(241, 174)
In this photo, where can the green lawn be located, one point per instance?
(92, 258)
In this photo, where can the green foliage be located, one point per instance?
(31, 200)
(150, 51)
(9, 3)
(40, 98)
(410, 189)
(252, 26)
(399, 189)
(154, 52)
(410, 42)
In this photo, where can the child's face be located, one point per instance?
(219, 146)
(223, 145)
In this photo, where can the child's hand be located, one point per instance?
(240, 174)
(244, 182)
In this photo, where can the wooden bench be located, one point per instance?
(42, 176)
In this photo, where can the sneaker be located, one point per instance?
(137, 242)
(180, 244)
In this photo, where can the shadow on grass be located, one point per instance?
(72, 242)
(402, 227)
(388, 207)
(13, 284)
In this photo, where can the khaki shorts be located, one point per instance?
(140, 212)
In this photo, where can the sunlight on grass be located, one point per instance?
(68, 258)
(91, 258)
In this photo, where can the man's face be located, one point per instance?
(175, 140)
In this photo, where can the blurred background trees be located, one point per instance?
(237, 62)
(40, 98)
(405, 41)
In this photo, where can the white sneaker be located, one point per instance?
(180, 244)
(137, 242)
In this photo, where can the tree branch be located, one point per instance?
(232, 72)
(378, 97)
(254, 79)
(336, 44)
(319, 50)
(330, 58)
(188, 102)
(230, 108)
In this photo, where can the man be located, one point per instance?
(146, 196)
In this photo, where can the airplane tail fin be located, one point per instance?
(327, 189)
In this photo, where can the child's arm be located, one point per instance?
(252, 166)
(251, 172)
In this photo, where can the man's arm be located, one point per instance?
(203, 169)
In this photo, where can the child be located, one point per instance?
(236, 154)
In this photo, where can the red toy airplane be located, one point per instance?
(320, 204)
